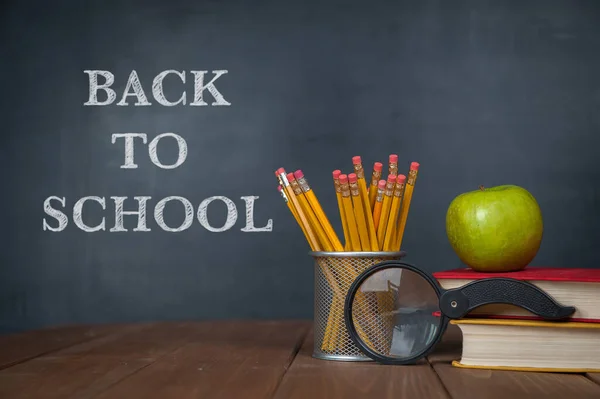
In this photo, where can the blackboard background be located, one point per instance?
(479, 92)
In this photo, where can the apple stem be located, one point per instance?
(481, 187)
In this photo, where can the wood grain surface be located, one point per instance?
(16, 348)
(312, 378)
(248, 359)
(594, 377)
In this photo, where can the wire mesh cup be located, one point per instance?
(334, 273)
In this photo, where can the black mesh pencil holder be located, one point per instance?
(334, 273)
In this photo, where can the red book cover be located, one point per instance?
(529, 273)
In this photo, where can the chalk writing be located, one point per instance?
(55, 206)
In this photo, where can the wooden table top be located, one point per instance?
(243, 359)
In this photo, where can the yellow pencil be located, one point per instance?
(281, 176)
(294, 213)
(310, 213)
(316, 206)
(390, 231)
(338, 195)
(393, 164)
(349, 211)
(375, 176)
(332, 312)
(408, 192)
(359, 212)
(378, 203)
(353, 230)
(385, 208)
(364, 197)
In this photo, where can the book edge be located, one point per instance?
(456, 363)
(526, 323)
(527, 318)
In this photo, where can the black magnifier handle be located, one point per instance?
(456, 303)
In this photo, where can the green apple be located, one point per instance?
(497, 229)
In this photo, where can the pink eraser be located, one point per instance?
(343, 179)
(299, 174)
(279, 188)
(280, 171)
(336, 174)
(391, 178)
(290, 177)
(352, 178)
(378, 166)
(381, 184)
(393, 158)
(400, 179)
(414, 166)
(356, 160)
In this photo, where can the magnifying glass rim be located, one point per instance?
(350, 322)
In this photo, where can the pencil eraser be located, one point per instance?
(279, 188)
(343, 178)
(400, 179)
(290, 177)
(378, 166)
(336, 174)
(355, 160)
(381, 184)
(299, 174)
(352, 178)
(393, 158)
(391, 178)
(414, 166)
(280, 171)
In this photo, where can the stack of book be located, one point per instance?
(506, 337)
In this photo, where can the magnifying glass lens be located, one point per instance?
(396, 313)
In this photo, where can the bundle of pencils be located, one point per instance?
(373, 219)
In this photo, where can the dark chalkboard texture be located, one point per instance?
(478, 92)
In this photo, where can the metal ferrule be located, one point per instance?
(360, 172)
(336, 185)
(375, 178)
(412, 176)
(345, 189)
(399, 190)
(389, 188)
(296, 187)
(303, 184)
(283, 180)
(285, 198)
(380, 195)
(354, 189)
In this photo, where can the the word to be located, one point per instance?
(152, 149)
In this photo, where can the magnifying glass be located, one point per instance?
(396, 313)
